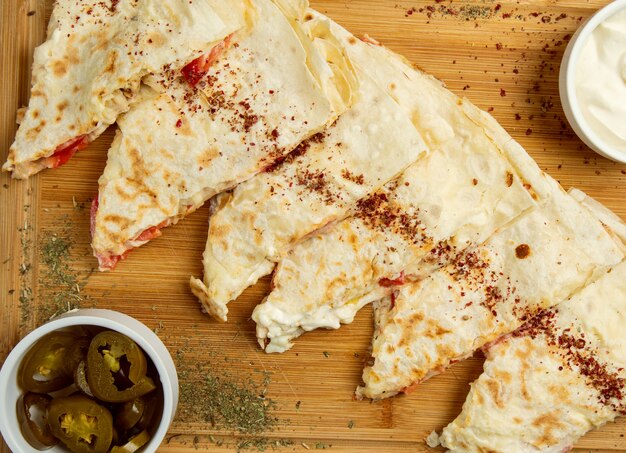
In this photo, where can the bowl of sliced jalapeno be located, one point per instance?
(89, 381)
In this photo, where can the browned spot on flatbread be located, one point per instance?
(143, 189)
(35, 114)
(374, 377)
(38, 93)
(545, 440)
(493, 387)
(352, 40)
(166, 154)
(76, 89)
(169, 177)
(434, 329)
(122, 194)
(561, 392)
(522, 378)
(220, 231)
(413, 319)
(101, 41)
(338, 282)
(308, 17)
(32, 134)
(444, 351)
(503, 376)
(59, 67)
(19, 115)
(62, 105)
(185, 128)
(522, 251)
(509, 179)
(530, 190)
(517, 420)
(110, 64)
(122, 222)
(548, 423)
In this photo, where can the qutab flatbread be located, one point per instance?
(263, 218)
(269, 89)
(89, 69)
(558, 377)
(539, 260)
(455, 197)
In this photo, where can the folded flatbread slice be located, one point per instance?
(256, 225)
(470, 185)
(273, 87)
(485, 292)
(556, 378)
(89, 69)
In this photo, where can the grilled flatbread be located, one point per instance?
(256, 225)
(487, 291)
(558, 377)
(181, 144)
(89, 69)
(454, 198)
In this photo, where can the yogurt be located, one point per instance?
(600, 81)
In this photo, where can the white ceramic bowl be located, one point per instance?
(140, 333)
(567, 89)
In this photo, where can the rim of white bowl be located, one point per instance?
(571, 56)
(110, 319)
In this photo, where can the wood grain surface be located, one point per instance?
(502, 55)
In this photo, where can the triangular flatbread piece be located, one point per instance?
(270, 88)
(89, 69)
(256, 225)
(558, 377)
(536, 262)
(469, 185)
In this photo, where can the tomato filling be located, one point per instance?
(485, 348)
(110, 261)
(368, 39)
(393, 300)
(152, 232)
(387, 283)
(64, 152)
(410, 388)
(193, 72)
(92, 216)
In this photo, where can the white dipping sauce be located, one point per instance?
(601, 81)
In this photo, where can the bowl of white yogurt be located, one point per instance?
(592, 82)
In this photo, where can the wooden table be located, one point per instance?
(504, 56)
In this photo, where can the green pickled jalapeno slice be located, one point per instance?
(116, 368)
(83, 425)
(32, 410)
(45, 369)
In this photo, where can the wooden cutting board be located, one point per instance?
(502, 55)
